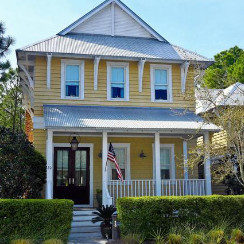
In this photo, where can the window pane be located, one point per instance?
(72, 73)
(62, 167)
(161, 93)
(117, 75)
(80, 168)
(165, 174)
(160, 76)
(121, 160)
(165, 162)
(117, 92)
(72, 90)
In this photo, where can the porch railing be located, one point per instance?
(139, 188)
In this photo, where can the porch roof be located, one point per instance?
(123, 118)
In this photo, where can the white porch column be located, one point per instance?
(107, 200)
(207, 165)
(185, 159)
(157, 164)
(49, 158)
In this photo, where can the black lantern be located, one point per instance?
(74, 144)
(142, 154)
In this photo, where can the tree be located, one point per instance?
(11, 111)
(5, 43)
(227, 69)
(22, 168)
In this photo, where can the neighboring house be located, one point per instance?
(110, 77)
(209, 99)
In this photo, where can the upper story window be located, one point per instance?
(161, 83)
(72, 79)
(118, 81)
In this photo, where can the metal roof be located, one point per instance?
(113, 46)
(123, 118)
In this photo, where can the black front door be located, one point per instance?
(71, 174)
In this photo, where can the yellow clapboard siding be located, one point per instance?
(99, 97)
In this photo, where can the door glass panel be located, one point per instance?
(80, 168)
(62, 167)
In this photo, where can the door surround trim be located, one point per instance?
(91, 147)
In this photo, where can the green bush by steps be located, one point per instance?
(144, 215)
(35, 219)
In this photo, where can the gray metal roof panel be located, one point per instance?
(102, 45)
(101, 117)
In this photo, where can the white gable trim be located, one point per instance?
(183, 70)
(123, 7)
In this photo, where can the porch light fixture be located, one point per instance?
(142, 154)
(74, 144)
(100, 155)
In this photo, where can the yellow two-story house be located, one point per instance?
(110, 77)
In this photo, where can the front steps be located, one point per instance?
(82, 229)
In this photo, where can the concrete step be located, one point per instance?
(87, 241)
(81, 212)
(80, 236)
(83, 217)
(84, 223)
(85, 229)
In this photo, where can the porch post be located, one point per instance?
(185, 159)
(157, 164)
(207, 165)
(107, 200)
(49, 158)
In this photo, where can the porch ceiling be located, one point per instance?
(123, 118)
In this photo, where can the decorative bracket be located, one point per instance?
(31, 82)
(184, 69)
(49, 59)
(96, 65)
(141, 64)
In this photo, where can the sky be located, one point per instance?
(204, 26)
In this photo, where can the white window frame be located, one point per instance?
(169, 79)
(172, 163)
(126, 90)
(127, 164)
(81, 64)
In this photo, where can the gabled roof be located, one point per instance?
(114, 47)
(207, 99)
(124, 118)
(125, 8)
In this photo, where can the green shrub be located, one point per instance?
(196, 239)
(21, 241)
(35, 219)
(217, 236)
(53, 241)
(174, 239)
(237, 236)
(144, 215)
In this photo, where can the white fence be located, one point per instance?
(139, 188)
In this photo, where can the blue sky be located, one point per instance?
(204, 26)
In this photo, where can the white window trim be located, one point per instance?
(172, 163)
(121, 65)
(169, 77)
(127, 165)
(81, 64)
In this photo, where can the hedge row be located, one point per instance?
(35, 219)
(146, 215)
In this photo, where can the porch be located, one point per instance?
(162, 171)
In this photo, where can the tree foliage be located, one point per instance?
(22, 168)
(11, 111)
(227, 69)
(5, 43)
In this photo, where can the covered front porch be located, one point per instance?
(154, 161)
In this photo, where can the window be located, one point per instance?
(167, 162)
(72, 79)
(161, 83)
(122, 152)
(118, 81)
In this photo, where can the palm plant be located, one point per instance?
(104, 215)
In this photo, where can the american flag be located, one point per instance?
(112, 158)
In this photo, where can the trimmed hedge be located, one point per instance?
(146, 215)
(35, 219)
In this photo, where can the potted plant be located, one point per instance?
(104, 215)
